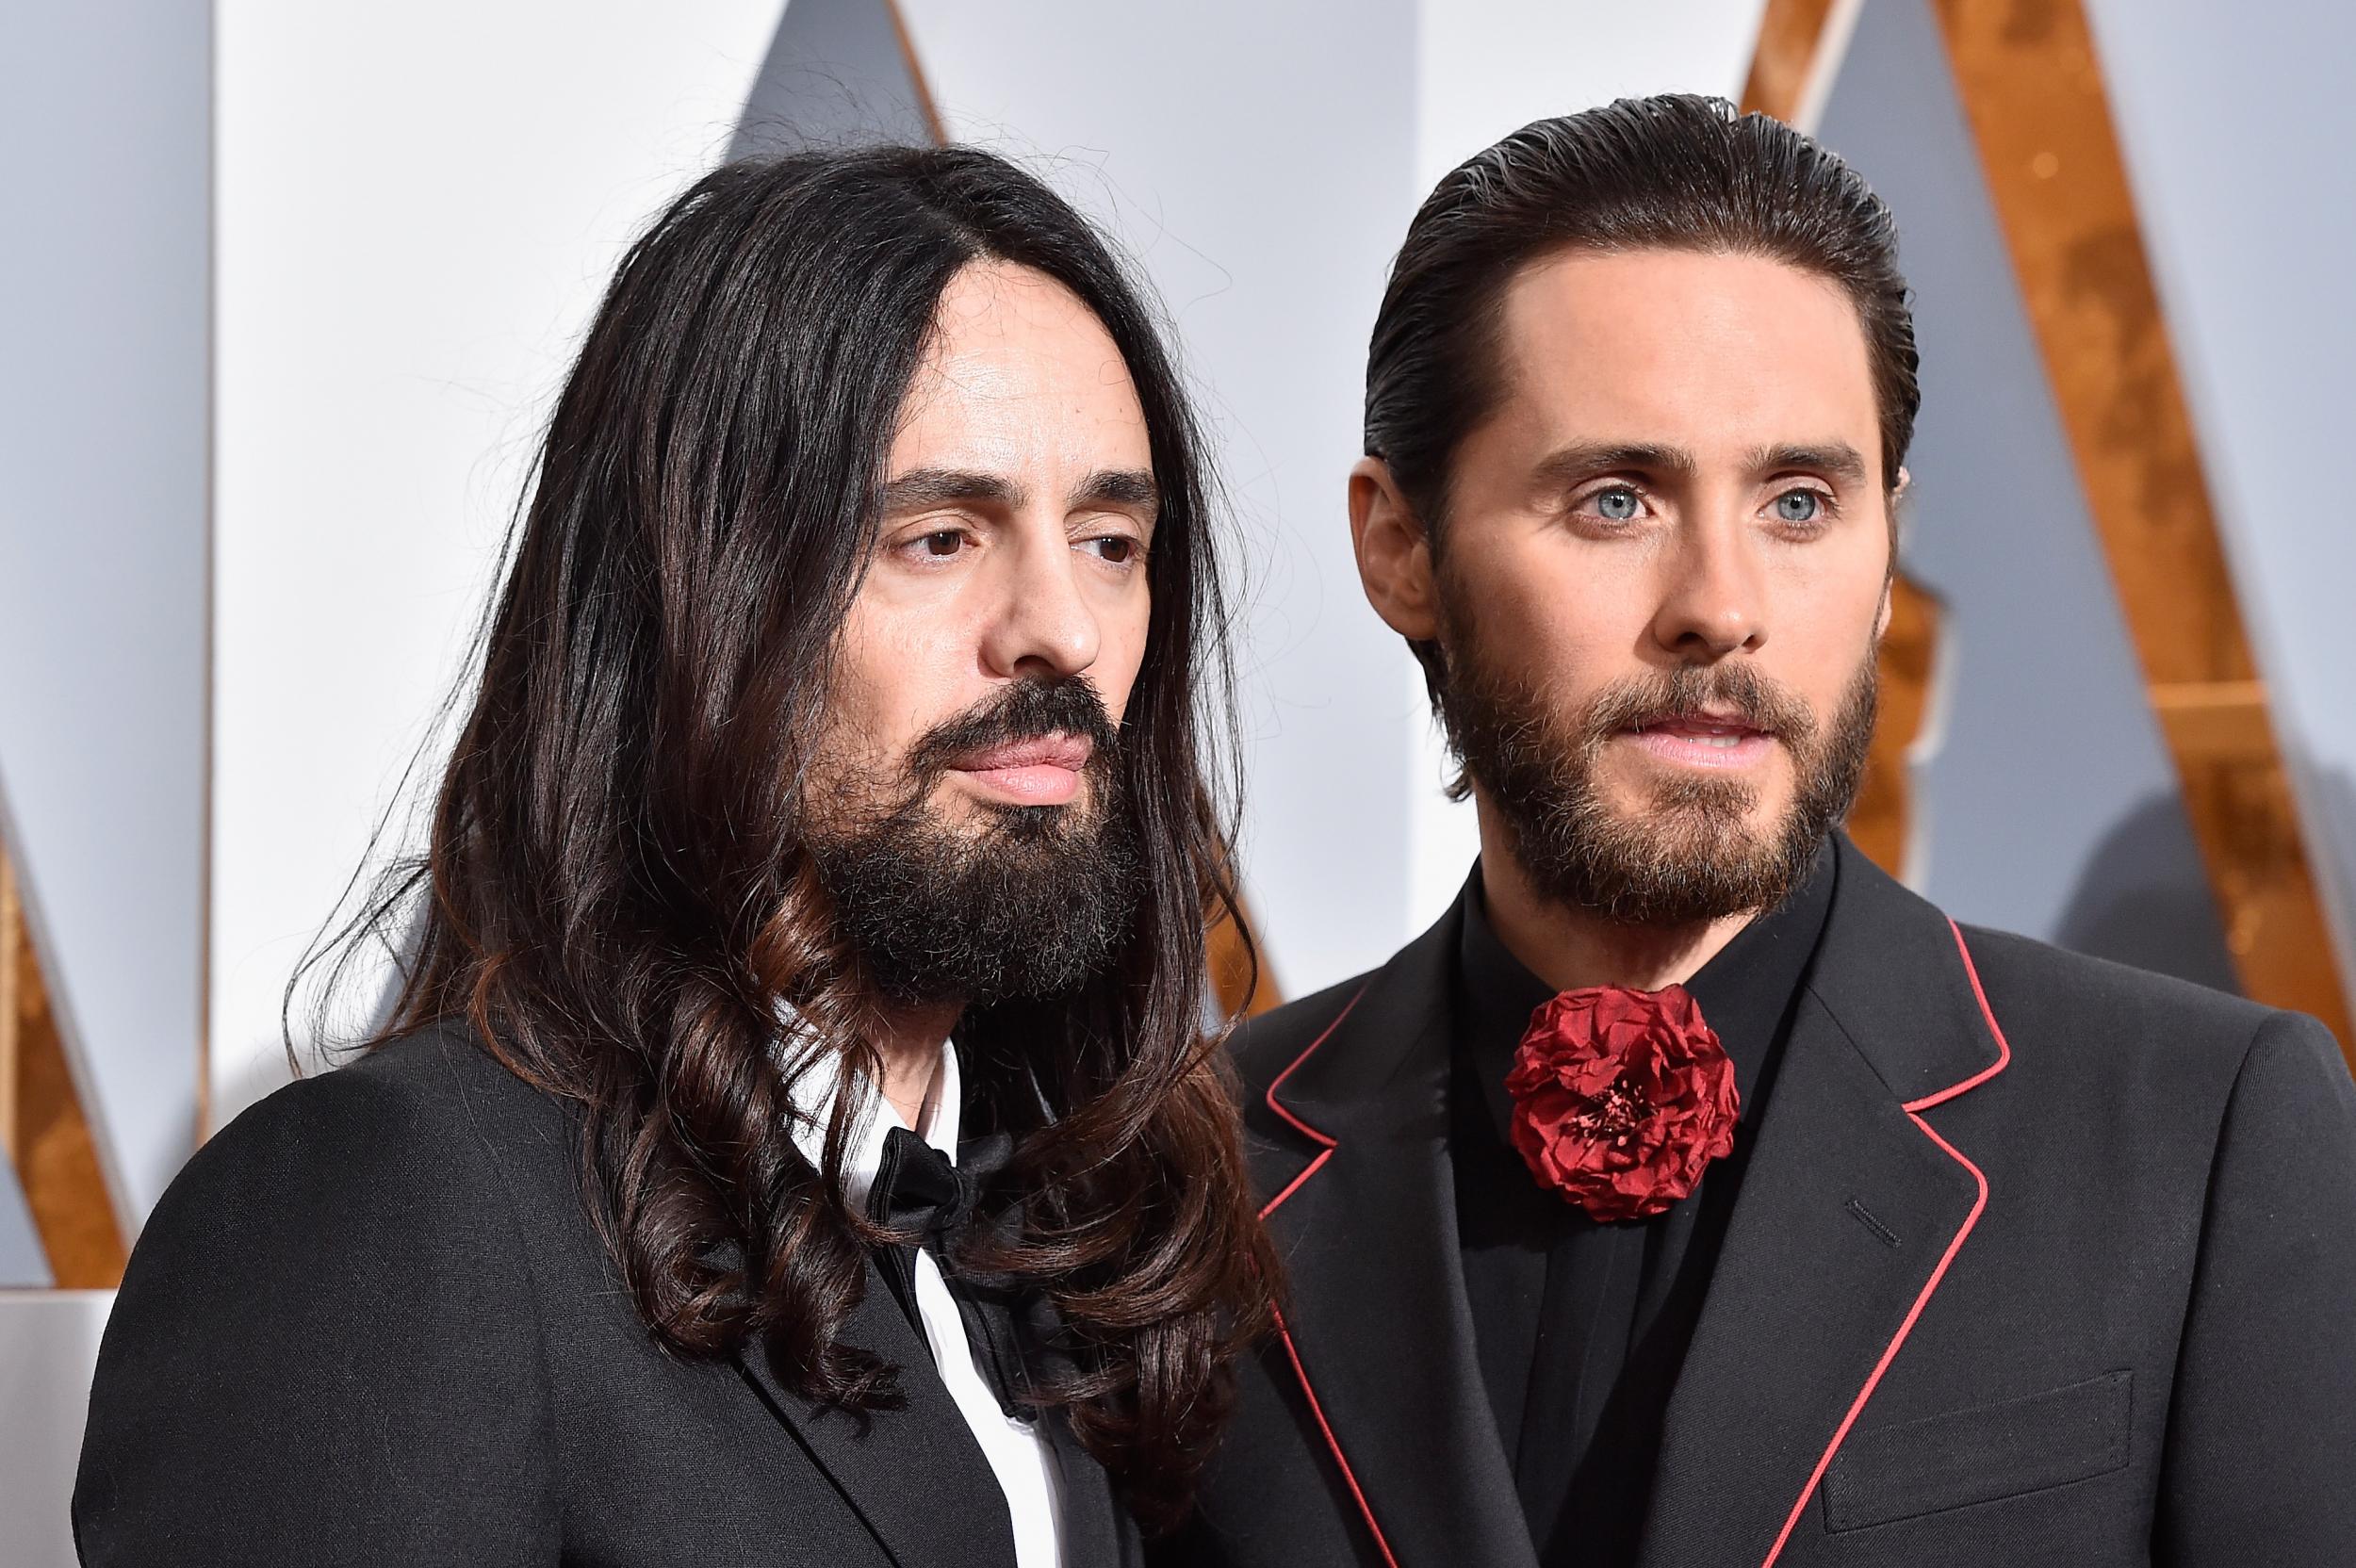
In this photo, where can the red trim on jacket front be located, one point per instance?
(1284, 1331)
(1350, 1476)
(2003, 1047)
(1328, 1145)
(1979, 1177)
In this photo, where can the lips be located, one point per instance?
(1070, 752)
(1724, 730)
(1702, 740)
(1042, 771)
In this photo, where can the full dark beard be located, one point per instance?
(1690, 854)
(1030, 904)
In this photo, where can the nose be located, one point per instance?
(1042, 626)
(1714, 601)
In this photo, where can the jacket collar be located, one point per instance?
(1810, 1300)
(914, 1474)
(1365, 1212)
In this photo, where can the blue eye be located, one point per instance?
(1616, 506)
(1798, 506)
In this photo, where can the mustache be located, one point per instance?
(1026, 711)
(1690, 691)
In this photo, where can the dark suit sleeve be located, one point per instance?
(324, 1352)
(2261, 1433)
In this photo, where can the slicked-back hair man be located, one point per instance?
(1692, 1193)
(797, 1142)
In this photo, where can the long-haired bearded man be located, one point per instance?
(796, 1139)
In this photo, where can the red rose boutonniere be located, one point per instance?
(1622, 1098)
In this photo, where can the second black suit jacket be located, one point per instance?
(371, 1324)
(2037, 1260)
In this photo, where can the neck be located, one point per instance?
(1569, 948)
(909, 1040)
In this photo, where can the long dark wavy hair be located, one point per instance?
(617, 895)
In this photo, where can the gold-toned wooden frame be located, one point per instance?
(43, 1126)
(2032, 90)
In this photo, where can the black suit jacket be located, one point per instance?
(2063, 1276)
(371, 1324)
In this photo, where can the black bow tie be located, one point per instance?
(920, 1192)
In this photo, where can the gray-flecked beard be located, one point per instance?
(1689, 854)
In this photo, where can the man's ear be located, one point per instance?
(1394, 553)
(1889, 579)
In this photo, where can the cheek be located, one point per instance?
(1121, 635)
(1830, 627)
(1567, 632)
(890, 681)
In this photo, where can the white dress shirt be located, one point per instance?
(1017, 1451)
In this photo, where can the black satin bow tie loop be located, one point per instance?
(919, 1193)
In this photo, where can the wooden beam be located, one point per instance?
(48, 1136)
(2032, 89)
(12, 1007)
(1243, 988)
(1790, 34)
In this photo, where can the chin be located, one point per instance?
(1696, 803)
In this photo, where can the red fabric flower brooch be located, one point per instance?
(1622, 1098)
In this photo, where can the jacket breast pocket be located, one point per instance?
(1981, 1455)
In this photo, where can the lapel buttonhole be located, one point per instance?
(1882, 1233)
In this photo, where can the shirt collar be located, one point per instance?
(813, 1094)
(1745, 991)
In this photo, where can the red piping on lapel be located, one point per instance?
(1890, 1353)
(1283, 1330)
(1350, 1476)
(1327, 1145)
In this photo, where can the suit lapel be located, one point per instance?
(915, 1475)
(1094, 1522)
(1851, 1211)
(1379, 1331)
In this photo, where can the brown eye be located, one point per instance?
(945, 543)
(1116, 549)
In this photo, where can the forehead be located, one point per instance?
(1718, 353)
(1019, 373)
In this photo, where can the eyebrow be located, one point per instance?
(1835, 459)
(1588, 458)
(1131, 488)
(921, 487)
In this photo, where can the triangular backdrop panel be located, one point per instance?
(839, 72)
(23, 1266)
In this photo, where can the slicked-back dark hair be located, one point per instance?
(617, 894)
(1673, 172)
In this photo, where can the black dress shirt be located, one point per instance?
(1581, 1327)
